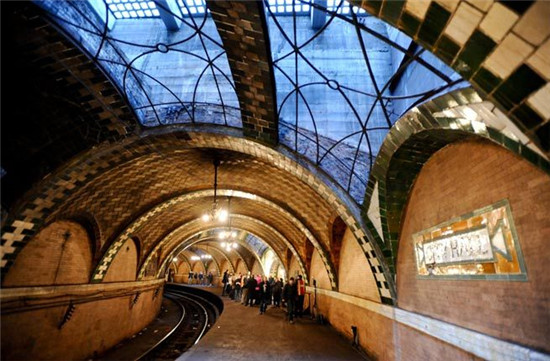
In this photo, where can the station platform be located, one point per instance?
(241, 333)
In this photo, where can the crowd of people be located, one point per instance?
(257, 290)
(199, 278)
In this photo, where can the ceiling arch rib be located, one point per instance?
(215, 257)
(172, 244)
(182, 258)
(189, 254)
(182, 232)
(303, 176)
(136, 225)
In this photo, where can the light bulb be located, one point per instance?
(234, 244)
(233, 234)
(175, 259)
(221, 235)
(222, 216)
(205, 217)
(223, 244)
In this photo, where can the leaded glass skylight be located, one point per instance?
(343, 78)
(169, 63)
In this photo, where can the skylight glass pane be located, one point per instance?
(335, 101)
(167, 77)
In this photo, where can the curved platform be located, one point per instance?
(242, 333)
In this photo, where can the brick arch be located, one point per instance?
(173, 244)
(459, 33)
(32, 213)
(90, 224)
(214, 259)
(65, 106)
(161, 270)
(338, 228)
(239, 261)
(60, 254)
(115, 246)
(184, 259)
(410, 143)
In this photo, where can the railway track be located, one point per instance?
(198, 314)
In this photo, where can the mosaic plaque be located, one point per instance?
(479, 245)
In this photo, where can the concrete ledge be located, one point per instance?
(19, 299)
(479, 344)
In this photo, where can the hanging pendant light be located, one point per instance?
(215, 213)
(228, 237)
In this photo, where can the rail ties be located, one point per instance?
(200, 310)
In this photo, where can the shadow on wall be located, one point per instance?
(61, 319)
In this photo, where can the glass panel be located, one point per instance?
(343, 78)
(167, 77)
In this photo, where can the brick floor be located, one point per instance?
(242, 334)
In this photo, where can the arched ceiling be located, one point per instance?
(133, 185)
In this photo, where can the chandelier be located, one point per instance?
(203, 257)
(229, 237)
(215, 213)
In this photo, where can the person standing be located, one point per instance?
(238, 287)
(277, 292)
(265, 295)
(251, 286)
(290, 296)
(225, 279)
(244, 289)
(301, 286)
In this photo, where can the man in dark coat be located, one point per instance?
(277, 291)
(251, 286)
(225, 279)
(290, 296)
(265, 295)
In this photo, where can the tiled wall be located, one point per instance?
(409, 144)
(461, 178)
(501, 47)
(59, 187)
(95, 326)
(242, 27)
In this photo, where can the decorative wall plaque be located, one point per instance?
(479, 245)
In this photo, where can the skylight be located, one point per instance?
(343, 78)
(132, 9)
(168, 75)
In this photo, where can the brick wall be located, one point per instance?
(460, 178)
(93, 328)
(60, 254)
(318, 272)
(241, 267)
(293, 268)
(354, 276)
(257, 268)
(124, 266)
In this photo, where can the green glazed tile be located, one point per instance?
(478, 47)
(434, 22)
(543, 133)
(486, 80)
(527, 117)
(519, 6)
(447, 49)
(392, 10)
(409, 24)
(518, 86)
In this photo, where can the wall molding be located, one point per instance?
(476, 343)
(21, 299)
